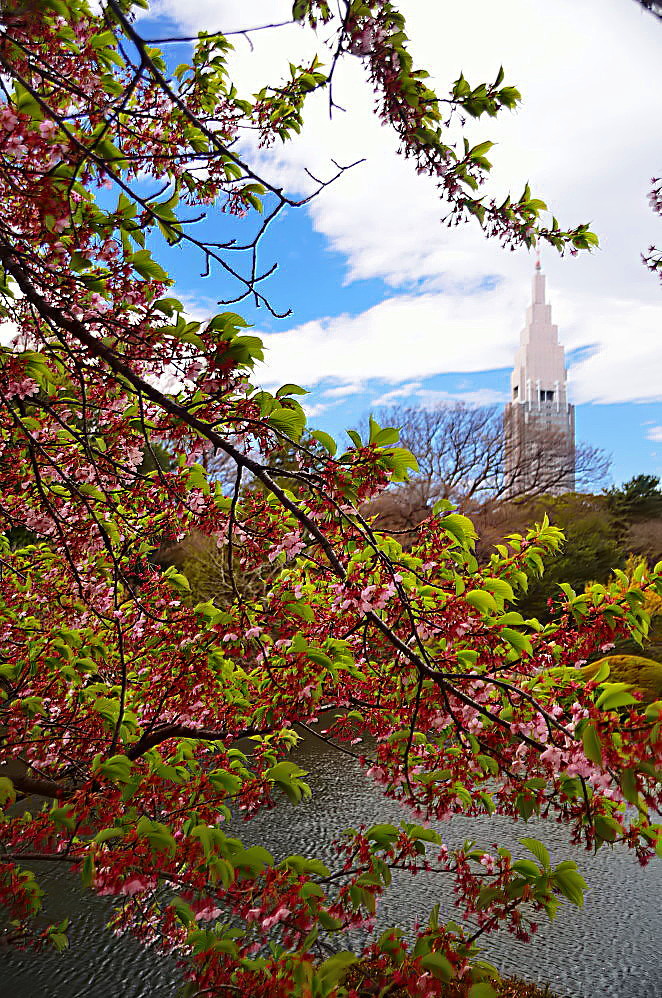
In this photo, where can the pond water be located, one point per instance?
(612, 948)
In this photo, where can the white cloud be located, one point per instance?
(403, 392)
(312, 409)
(626, 367)
(583, 138)
(426, 398)
(655, 434)
(406, 338)
(342, 391)
(480, 396)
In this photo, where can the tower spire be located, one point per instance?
(539, 418)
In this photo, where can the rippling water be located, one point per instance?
(612, 948)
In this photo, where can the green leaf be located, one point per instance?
(592, 746)
(300, 864)
(87, 871)
(615, 695)
(333, 969)
(106, 149)
(108, 833)
(527, 868)
(177, 580)
(209, 612)
(221, 779)
(58, 940)
(227, 323)
(328, 922)
(63, 816)
(326, 440)
(500, 588)
(439, 966)
(400, 462)
(148, 268)
(571, 885)
(422, 834)
(302, 610)
(461, 528)
(526, 803)
(602, 673)
(538, 850)
(629, 786)
(183, 911)
(487, 896)
(117, 768)
(7, 792)
(383, 835)
(483, 989)
(607, 829)
(375, 428)
(206, 836)
(291, 390)
(168, 306)
(653, 709)
(517, 640)
(389, 435)
(103, 40)
(481, 149)
(158, 835)
(287, 775)
(26, 103)
(290, 421)
(481, 600)
(79, 262)
(319, 657)
(254, 859)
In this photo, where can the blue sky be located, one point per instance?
(312, 280)
(385, 300)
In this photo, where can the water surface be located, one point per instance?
(612, 948)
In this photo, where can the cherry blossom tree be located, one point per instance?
(124, 701)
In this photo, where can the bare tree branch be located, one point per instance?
(463, 455)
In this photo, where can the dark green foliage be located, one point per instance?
(155, 456)
(637, 511)
(601, 531)
(206, 567)
(591, 550)
(640, 497)
(20, 537)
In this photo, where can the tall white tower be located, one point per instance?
(539, 422)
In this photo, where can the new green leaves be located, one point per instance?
(287, 776)
(591, 743)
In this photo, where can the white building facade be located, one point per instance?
(539, 422)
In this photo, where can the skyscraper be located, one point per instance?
(539, 422)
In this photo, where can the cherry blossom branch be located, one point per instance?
(98, 349)
(156, 736)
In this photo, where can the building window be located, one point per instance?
(515, 392)
(546, 396)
